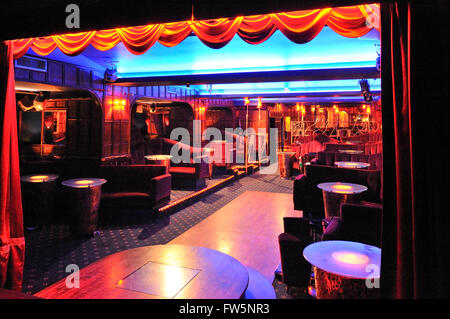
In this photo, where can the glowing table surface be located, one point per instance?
(39, 178)
(351, 164)
(342, 188)
(83, 182)
(345, 258)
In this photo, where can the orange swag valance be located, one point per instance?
(298, 26)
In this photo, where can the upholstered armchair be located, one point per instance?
(296, 271)
(357, 222)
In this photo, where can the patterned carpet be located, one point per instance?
(50, 249)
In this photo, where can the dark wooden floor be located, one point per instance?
(247, 229)
(160, 271)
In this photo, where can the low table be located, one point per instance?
(344, 269)
(335, 193)
(344, 164)
(159, 159)
(158, 272)
(38, 199)
(84, 200)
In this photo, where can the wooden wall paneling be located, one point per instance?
(116, 137)
(70, 75)
(84, 134)
(85, 78)
(21, 74)
(85, 109)
(107, 139)
(38, 76)
(55, 73)
(72, 136)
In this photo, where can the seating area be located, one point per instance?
(224, 150)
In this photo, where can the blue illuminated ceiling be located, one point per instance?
(192, 58)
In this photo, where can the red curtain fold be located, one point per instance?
(415, 243)
(12, 242)
(174, 33)
(298, 26)
(350, 22)
(256, 29)
(301, 26)
(216, 33)
(139, 39)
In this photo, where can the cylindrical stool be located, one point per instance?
(38, 198)
(84, 201)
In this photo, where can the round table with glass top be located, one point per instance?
(335, 193)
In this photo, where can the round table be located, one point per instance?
(159, 159)
(285, 160)
(345, 164)
(84, 200)
(344, 269)
(158, 271)
(38, 196)
(335, 193)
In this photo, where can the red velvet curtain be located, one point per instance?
(415, 153)
(12, 243)
(298, 26)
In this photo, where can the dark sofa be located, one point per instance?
(308, 197)
(140, 184)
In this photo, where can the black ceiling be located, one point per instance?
(32, 18)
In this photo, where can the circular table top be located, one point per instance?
(342, 188)
(158, 271)
(288, 153)
(345, 258)
(39, 178)
(350, 151)
(352, 164)
(158, 157)
(83, 182)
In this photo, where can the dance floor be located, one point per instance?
(247, 229)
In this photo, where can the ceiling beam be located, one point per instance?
(253, 77)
